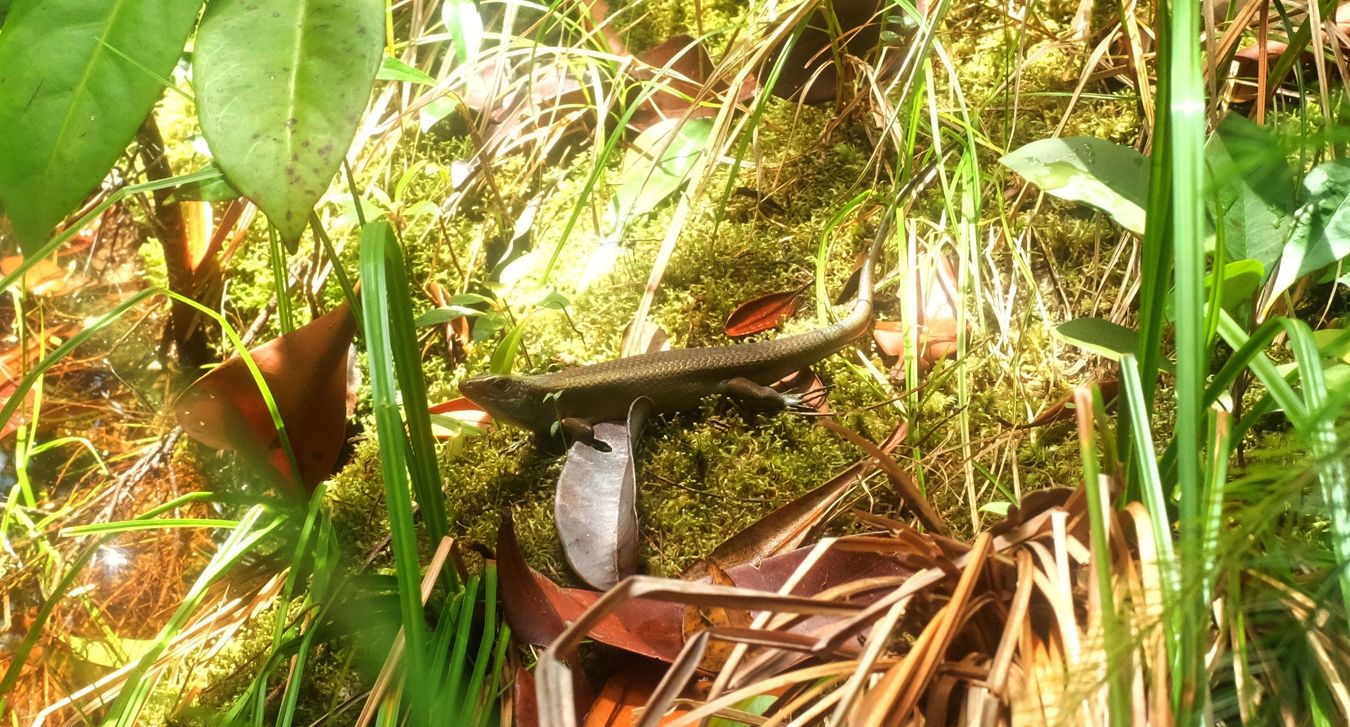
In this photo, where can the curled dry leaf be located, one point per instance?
(986, 632)
(595, 505)
(649, 339)
(308, 374)
(537, 608)
(624, 694)
(524, 700)
(811, 71)
(890, 338)
(763, 313)
(937, 301)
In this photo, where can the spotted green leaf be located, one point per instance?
(281, 85)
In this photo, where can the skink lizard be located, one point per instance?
(673, 380)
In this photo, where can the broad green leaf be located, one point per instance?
(77, 79)
(1253, 189)
(461, 18)
(1102, 337)
(1333, 343)
(445, 314)
(656, 165)
(280, 89)
(504, 356)
(1098, 173)
(392, 69)
(1239, 278)
(1321, 230)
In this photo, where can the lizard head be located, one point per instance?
(511, 400)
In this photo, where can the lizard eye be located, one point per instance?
(501, 385)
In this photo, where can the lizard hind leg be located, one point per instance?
(756, 397)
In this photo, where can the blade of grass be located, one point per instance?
(1114, 637)
(1151, 487)
(381, 267)
(126, 710)
(1184, 165)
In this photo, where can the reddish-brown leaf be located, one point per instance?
(677, 72)
(529, 610)
(307, 373)
(536, 608)
(811, 73)
(524, 700)
(890, 338)
(461, 410)
(701, 618)
(625, 693)
(763, 313)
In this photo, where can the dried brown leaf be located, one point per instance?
(307, 373)
(763, 313)
(786, 528)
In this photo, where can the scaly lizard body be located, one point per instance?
(672, 380)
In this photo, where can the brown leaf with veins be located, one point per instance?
(763, 313)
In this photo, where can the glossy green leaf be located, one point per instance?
(504, 356)
(461, 18)
(1321, 230)
(77, 79)
(1239, 280)
(1098, 173)
(1333, 343)
(392, 69)
(280, 90)
(445, 314)
(657, 164)
(1102, 337)
(1253, 190)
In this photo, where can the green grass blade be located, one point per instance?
(1155, 500)
(1184, 165)
(126, 710)
(1115, 638)
(378, 255)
